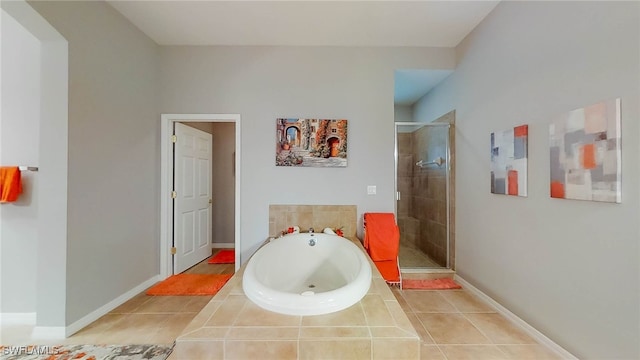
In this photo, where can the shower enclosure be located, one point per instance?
(424, 194)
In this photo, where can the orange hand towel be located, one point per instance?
(389, 270)
(382, 236)
(10, 183)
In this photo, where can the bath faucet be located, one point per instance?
(311, 230)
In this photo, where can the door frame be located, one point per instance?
(166, 179)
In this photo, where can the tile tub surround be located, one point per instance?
(230, 326)
(315, 216)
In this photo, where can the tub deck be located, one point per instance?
(230, 326)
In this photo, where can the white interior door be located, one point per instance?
(192, 203)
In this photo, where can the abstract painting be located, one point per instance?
(509, 161)
(311, 142)
(585, 153)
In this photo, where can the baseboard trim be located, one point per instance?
(18, 318)
(48, 332)
(523, 325)
(223, 245)
(96, 314)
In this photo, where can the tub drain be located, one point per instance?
(311, 286)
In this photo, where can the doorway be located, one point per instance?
(424, 200)
(167, 180)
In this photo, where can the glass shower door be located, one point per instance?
(423, 182)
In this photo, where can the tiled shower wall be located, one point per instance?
(422, 208)
(409, 226)
(429, 193)
(316, 216)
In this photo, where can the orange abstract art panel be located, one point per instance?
(585, 153)
(509, 154)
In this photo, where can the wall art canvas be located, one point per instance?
(509, 149)
(311, 142)
(585, 153)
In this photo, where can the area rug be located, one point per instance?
(190, 284)
(430, 284)
(86, 352)
(224, 256)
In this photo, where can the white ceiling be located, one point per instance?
(306, 23)
(314, 23)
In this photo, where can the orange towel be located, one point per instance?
(389, 270)
(382, 242)
(381, 236)
(10, 183)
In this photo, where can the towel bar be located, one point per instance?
(28, 168)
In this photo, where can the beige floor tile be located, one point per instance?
(528, 352)
(351, 316)
(125, 336)
(101, 325)
(431, 352)
(466, 302)
(376, 311)
(206, 333)
(196, 304)
(200, 350)
(131, 305)
(425, 338)
(178, 322)
(141, 321)
(263, 333)
(252, 315)
(83, 339)
(227, 312)
(473, 352)
(499, 329)
(334, 332)
(401, 300)
(163, 336)
(334, 349)
(163, 304)
(427, 301)
(451, 329)
(395, 349)
(251, 349)
(411, 257)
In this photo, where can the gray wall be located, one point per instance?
(19, 140)
(224, 145)
(46, 101)
(113, 203)
(403, 113)
(265, 83)
(569, 268)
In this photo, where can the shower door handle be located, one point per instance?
(398, 195)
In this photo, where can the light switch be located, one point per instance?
(371, 190)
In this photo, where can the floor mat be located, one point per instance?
(190, 284)
(224, 256)
(430, 284)
(85, 352)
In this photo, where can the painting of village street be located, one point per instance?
(311, 142)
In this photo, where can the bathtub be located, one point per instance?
(307, 274)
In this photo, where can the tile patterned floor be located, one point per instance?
(452, 324)
(455, 325)
(141, 320)
(414, 258)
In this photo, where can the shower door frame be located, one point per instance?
(447, 184)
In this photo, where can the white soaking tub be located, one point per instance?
(307, 274)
